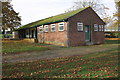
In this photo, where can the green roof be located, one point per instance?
(53, 19)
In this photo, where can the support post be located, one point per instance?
(36, 33)
(29, 32)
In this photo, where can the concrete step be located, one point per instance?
(89, 43)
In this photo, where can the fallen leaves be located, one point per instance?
(67, 67)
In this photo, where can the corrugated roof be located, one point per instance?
(53, 19)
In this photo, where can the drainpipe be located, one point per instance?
(91, 29)
(91, 34)
(67, 33)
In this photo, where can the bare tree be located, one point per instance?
(113, 22)
(95, 4)
(117, 14)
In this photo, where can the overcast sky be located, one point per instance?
(33, 10)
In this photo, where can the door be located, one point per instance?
(87, 33)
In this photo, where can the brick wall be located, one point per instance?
(75, 38)
(57, 37)
(87, 17)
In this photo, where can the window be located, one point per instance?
(46, 28)
(41, 28)
(27, 33)
(53, 28)
(95, 27)
(61, 27)
(100, 27)
(79, 26)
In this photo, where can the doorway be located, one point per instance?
(87, 33)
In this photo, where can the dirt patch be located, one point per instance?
(61, 52)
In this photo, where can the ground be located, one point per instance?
(96, 61)
(59, 52)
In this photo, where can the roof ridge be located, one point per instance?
(53, 19)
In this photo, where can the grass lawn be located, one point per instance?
(10, 35)
(112, 41)
(18, 46)
(1, 36)
(96, 65)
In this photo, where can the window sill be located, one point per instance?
(60, 30)
(53, 31)
(45, 32)
(80, 31)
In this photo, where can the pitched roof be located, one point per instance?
(53, 19)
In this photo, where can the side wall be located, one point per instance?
(87, 17)
(56, 38)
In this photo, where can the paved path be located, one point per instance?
(61, 52)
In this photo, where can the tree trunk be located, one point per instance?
(3, 31)
(11, 30)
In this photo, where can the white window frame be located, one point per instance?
(41, 28)
(45, 27)
(79, 26)
(59, 25)
(53, 26)
(100, 27)
(95, 27)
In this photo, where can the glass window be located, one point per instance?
(95, 27)
(46, 28)
(61, 27)
(53, 29)
(41, 28)
(100, 27)
(79, 26)
(27, 32)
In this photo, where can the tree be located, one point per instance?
(117, 17)
(10, 18)
(117, 14)
(114, 21)
(95, 4)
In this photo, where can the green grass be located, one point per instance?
(112, 41)
(17, 46)
(96, 65)
(10, 35)
(1, 36)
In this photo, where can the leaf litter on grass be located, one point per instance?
(98, 65)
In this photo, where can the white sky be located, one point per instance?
(33, 10)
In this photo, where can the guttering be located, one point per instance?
(44, 24)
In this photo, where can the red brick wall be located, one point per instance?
(57, 37)
(98, 37)
(87, 17)
(75, 38)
